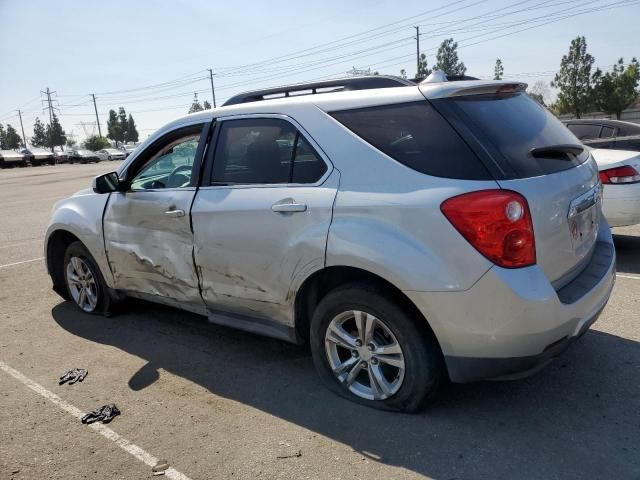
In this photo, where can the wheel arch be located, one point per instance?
(321, 282)
(57, 244)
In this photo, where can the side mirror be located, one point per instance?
(107, 183)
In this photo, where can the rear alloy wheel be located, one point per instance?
(372, 350)
(364, 355)
(84, 281)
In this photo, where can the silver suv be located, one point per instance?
(410, 233)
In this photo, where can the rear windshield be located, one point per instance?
(515, 124)
(417, 136)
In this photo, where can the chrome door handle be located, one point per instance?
(289, 207)
(174, 213)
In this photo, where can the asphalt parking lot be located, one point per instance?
(218, 403)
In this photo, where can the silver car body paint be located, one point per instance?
(369, 212)
(81, 215)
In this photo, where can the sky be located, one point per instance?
(150, 56)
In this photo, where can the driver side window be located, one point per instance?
(170, 165)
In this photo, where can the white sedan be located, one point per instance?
(620, 176)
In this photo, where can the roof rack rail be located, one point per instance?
(339, 85)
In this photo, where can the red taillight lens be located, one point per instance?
(618, 175)
(497, 223)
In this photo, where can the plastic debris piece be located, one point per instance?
(73, 376)
(293, 455)
(160, 467)
(105, 414)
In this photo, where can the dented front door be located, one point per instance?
(149, 243)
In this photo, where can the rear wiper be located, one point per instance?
(560, 152)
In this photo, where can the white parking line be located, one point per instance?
(633, 277)
(103, 430)
(20, 263)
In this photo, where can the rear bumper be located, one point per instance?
(512, 322)
(621, 204)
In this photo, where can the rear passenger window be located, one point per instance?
(584, 131)
(417, 136)
(308, 167)
(607, 132)
(264, 151)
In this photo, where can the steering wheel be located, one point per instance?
(174, 174)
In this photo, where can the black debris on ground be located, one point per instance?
(105, 414)
(73, 376)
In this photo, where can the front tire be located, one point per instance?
(369, 349)
(84, 281)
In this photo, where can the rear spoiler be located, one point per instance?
(464, 88)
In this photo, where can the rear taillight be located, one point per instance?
(618, 175)
(497, 223)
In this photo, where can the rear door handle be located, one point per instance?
(174, 213)
(289, 207)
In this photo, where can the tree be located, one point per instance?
(195, 106)
(540, 92)
(122, 121)
(96, 142)
(403, 73)
(39, 138)
(132, 132)
(2, 135)
(447, 58)
(71, 142)
(113, 127)
(423, 69)
(498, 70)
(11, 138)
(616, 90)
(206, 105)
(574, 79)
(55, 133)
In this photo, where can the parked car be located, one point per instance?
(11, 158)
(102, 155)
(112, 154)
(38, 156)
(83, 156)
(128, 149)
(388, 224)
(61, 156)
(604, 133)
(620, 177)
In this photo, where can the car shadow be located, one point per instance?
(628, 253)
(578, 418)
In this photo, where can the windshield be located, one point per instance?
(515, 124)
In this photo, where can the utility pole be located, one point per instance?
(24, 139)
(213, 92)
(50, 106)
(97, 119)
(417, 27)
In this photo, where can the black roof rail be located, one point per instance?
(339, 85)
(450, 78)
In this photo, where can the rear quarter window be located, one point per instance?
(417, 136)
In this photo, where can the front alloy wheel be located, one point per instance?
(83, 280)
(82, 284)
(364, 355)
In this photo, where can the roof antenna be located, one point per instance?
(436, 76)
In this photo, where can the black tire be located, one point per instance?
(103, 303)
(424, 366)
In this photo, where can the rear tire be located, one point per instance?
(84, 281)
(398, 366)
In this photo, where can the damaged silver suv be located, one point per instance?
(410, 233)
